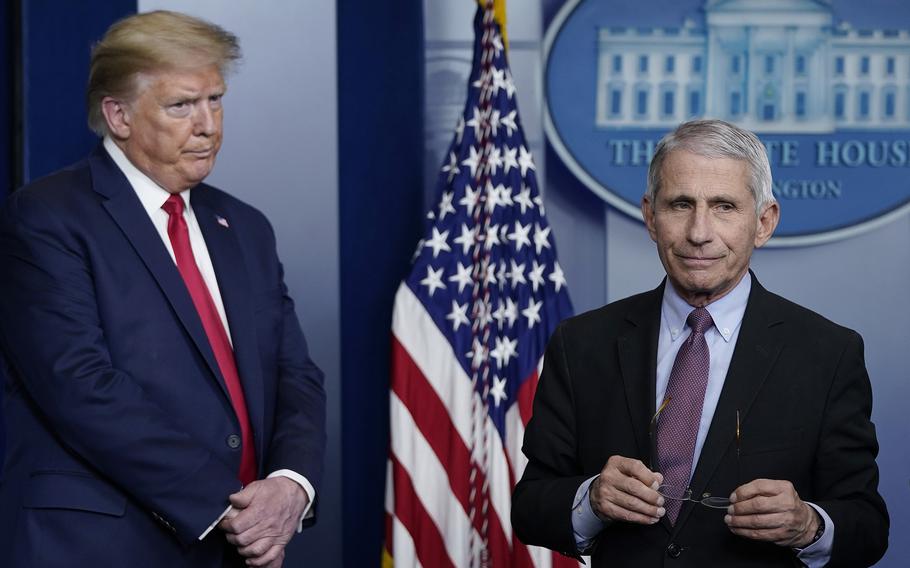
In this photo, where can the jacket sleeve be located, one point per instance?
(298, 434)
(299, 439)
(846, 476)
(542, 500)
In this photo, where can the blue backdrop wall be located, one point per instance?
(380, 130)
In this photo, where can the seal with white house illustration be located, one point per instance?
(824, 84)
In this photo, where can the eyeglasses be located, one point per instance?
(685, 494)
(678, 494)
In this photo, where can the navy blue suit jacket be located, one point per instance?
(120, 427)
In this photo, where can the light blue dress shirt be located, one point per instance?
(727, 313)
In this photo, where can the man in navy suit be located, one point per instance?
(161, 404)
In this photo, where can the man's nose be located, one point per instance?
(205, 121)
(700, 228)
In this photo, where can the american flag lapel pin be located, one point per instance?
(222, 221)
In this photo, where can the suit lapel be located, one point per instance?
(757, 348)
(125, 208)
(233, 282)
(638, 366)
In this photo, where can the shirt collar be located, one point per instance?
(150, 193)
(727, 312)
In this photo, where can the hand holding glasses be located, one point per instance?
(684, 493)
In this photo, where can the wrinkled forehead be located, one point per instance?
(688, 172)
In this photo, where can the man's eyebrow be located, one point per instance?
(725, 197)
(682, 196)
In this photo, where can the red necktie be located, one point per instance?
(214, 329)
(677, 426)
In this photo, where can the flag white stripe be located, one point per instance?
(541, 557)
(430, 481)
(389, 489)
(405, 555)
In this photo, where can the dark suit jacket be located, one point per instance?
(121, 436)
(800, 384)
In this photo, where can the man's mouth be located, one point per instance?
(697, 261)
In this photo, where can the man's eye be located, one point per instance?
(679, 205)
(179, 106)
(725, 207)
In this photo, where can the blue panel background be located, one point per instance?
(380, 86)
(7, 139)
(57, 41)
(7, 83)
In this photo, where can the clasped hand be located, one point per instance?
(263, 518)
(764, 509)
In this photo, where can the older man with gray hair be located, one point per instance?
(162, 406)
(707, 422)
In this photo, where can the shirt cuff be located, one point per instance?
(585, 524)
(818, 553)
(213, 525)
(307, 488)
(299, 479)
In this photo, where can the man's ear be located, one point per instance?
(647, 213)
(767, 222)
(117, 116)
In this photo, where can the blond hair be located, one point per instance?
(150, 42)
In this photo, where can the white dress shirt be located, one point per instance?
(727, 313)
(152, 196)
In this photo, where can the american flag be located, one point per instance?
(469, 328)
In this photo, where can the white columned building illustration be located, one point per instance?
(768, 65)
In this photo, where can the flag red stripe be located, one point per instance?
(431, 416)
(428, 542)
(526, 397)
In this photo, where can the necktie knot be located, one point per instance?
(699, 320)
(174, 205)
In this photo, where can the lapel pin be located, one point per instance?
(222, 221)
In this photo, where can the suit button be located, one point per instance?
(233, 441)
(674, 550)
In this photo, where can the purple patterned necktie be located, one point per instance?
(677, 425)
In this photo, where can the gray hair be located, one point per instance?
(150, 42)
(713, 138)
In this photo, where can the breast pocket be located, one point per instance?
(767, 442)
